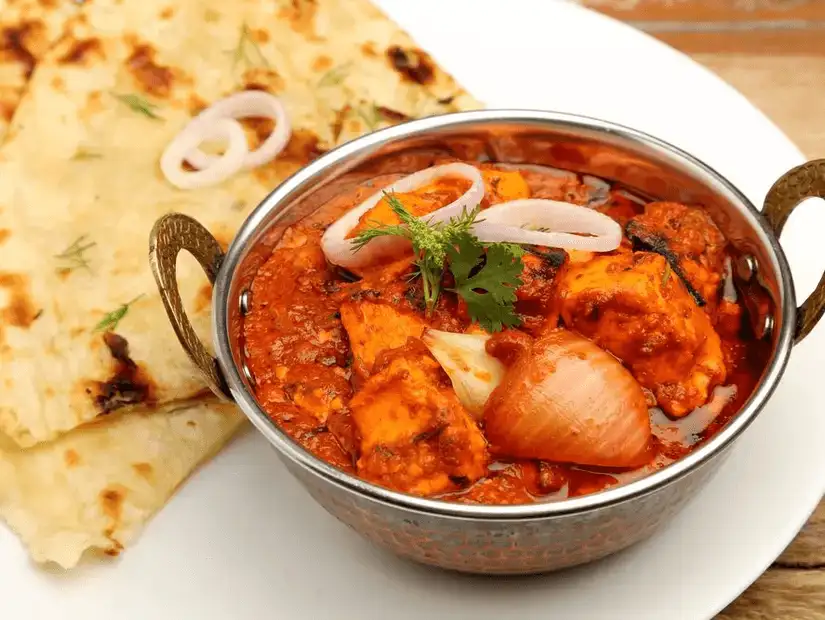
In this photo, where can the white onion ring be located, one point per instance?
(244, 105)
(339, 250)
(195, 134)
(566, 223)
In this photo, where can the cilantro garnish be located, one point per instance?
(487, 281)
(485, 275)
(113, 318)
(138, 104)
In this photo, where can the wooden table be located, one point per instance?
(773, 51)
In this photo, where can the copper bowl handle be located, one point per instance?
(172, 233)
(805, 181)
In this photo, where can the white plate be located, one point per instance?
(242, 539)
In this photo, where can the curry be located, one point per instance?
(500, 334)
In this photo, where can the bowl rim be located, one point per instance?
(291, 450)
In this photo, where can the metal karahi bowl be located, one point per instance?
(527, 538)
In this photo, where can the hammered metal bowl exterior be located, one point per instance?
(504, 547)
(537, 537)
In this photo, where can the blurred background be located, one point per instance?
(773, 51)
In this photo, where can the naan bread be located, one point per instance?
(365, 73)
(80, 186)
(28, 28)
(96, 486)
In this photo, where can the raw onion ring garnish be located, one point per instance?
(537, 221)
(223, 167)
(244, 105)
(342, 252)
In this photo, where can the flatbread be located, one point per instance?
(95, 487)
(80, 167)
(28, 28)
(366, 73)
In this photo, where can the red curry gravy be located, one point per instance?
(300, 355)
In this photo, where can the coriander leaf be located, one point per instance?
(83, 153)
(370, 115)
(138, 104)
(487, 284)
(431, 242)
(666, 274)
(246, 41)
(335, 76)
(465, 254)
(111, 320)
(74, 256)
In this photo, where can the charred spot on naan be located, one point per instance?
(301, 16)
(81, 51)
(129, 384)
(196, 104)
(302, 148)
(144, 470)
(71, 458)
(414, 65)
(263, 78)
(167, 12)
(338, 122)
(153, 78)
(21, 42)
(94, 105)
(258, 130)
(259, 35)
(322, 63)
(369, 49)
(393, 116)
(5, 233)
(203, 299)
(19, 310)
(111, 502)
(7, 108)
(117, 547)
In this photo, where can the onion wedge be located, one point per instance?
(244, 105)
(561, 225)
(567, 400)
(224, 166)
(563, 399)
(472, 371)
(339, 250)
